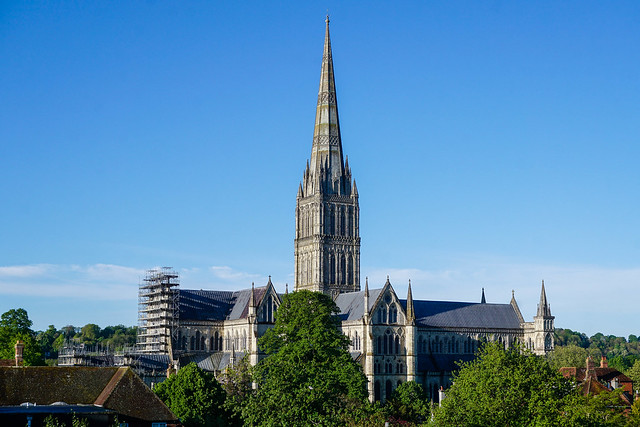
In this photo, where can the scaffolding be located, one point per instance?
(158, 311)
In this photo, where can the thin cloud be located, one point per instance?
(581, 297)
(99, 281)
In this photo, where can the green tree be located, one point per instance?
(236, 382)
(90, 334)
(504, 387)
(634, 374)
(308, 376)
(408, 403)
(194, 396)
(603, 409)
(569, 356)
(15, 325)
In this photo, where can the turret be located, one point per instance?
(411, 316)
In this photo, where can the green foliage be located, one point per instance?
(604, 409)
(564, 337)
(194, 396)
(504, 387)
(52, 421)
(569, 356)
(308, 376)
(236, 382)
(90, 334)
(634, 374)
(408, 403)
(15, 325)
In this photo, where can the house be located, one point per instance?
(595, 379)
(29, 394)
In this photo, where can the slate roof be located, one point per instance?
(119, 389)
(209, 305)
(447, 314)
(351, 304)
(437, 314)
(210, 362)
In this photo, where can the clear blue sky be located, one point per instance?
(495, 144)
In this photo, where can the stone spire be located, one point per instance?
(327, 240)
(326, 152)
(411, 316)
(544, 310)
(483, 300)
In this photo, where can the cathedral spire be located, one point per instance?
(411, 316)
(543, 307)
(327, 145)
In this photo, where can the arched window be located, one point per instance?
(393, 314)
(202, 343)
(389, 389)
(397, 345)
(197, 340)
(376, 391)
(193, 343)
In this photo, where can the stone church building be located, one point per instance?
(394, 337)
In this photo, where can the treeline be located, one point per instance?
(42, 347)
(574, 347)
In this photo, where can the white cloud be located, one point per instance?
(99, 281)
(25, 270)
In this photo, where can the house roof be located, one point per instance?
(114, 388)
(603, 374)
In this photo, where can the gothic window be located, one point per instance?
(376, 367)
(202, 343)
(440, 349)
(342, 223)
(547, 342)
(184, 342)
(386, 343)
(350, 270)
(384, 315)
(376, 391)
(197, 340)
(179, 339)
(220, 342)
(343, 269)
(393, 314)
(193, 343)
(332, 257)
(389, 389)
(380, 348)
(397, 344)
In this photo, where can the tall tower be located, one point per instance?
(327, 242)
(543, 325)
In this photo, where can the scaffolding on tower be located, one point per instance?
(158, 311)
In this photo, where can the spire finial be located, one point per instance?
(327, 19)
(286, 289)
(483, 300)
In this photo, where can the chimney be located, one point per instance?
(19, 350)
(603, 362)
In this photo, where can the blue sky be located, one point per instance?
(495, 144)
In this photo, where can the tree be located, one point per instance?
(90, 334)
(15, 325)
(308, 376)
(194, 396)
(236, 382)
(504, 387)
(569, 356)
(408, 403)
(634, 374)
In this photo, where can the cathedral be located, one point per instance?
(394, 338)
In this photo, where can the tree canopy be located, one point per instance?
(504, 387)
(308, 376)
(15, 325)
(194, 396)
